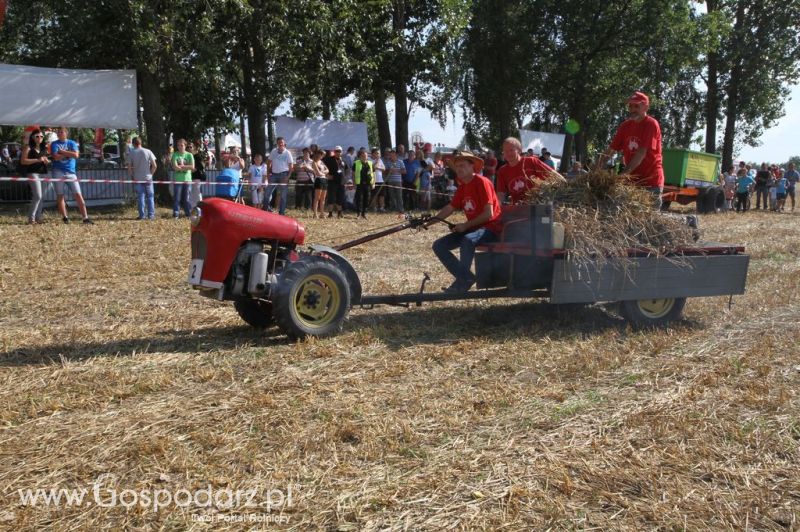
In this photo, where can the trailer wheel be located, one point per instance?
(312, 298)
(700, 202)
(255, 312)
(652, 312)
(715, 200)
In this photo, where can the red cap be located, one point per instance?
(639, 97)
(427, 147)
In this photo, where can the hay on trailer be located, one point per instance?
(605, 216)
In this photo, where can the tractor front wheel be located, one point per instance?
(311, 298)
(255, 312)
(646, 313)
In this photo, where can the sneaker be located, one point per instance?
(88, 221)
(65, 219)
(330, 214)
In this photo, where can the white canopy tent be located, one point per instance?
(324, 133)
(554, 142)
(73, 98)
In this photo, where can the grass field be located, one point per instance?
(482, 415)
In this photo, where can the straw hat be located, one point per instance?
(477, 162)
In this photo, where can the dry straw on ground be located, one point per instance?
(477, 415)
(604, 216)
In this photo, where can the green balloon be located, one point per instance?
(572, 126)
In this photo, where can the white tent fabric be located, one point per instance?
(325, 133)
(554, 142)
(74, 98)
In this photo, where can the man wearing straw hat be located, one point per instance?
(476, 197)
(639, 140)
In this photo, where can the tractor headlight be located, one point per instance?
(194, 216)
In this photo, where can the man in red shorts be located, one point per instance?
(519, 174)
(639, 140)
(475, 196)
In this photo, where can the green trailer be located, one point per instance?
(693, 177)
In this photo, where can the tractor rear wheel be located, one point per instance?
(646, 313)
(311, 298)
(255, 312)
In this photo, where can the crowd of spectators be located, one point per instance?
(770, 183)
(331, 181)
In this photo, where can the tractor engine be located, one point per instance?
(236, 248)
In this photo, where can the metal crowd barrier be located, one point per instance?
(93, 193)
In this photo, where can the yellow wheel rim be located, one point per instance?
(317, 301)
(656, 308)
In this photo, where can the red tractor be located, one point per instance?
(255, 259)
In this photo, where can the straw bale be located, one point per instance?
(605, 216)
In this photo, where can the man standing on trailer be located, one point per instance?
(476, 197)
(639, 140)
(518, 175)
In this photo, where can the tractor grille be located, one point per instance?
(199, 246)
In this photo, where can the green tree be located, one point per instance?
(500, 64)
(760, 58)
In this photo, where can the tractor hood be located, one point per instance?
(220, 227)
(232, 221)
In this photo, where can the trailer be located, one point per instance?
(256, 259)
(692, 177)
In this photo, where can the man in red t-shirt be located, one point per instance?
(475, 196)
(519, 174)
(639, 140)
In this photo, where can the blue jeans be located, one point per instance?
(279, 182)
(181, 190)
(461, 267)
(144, 196)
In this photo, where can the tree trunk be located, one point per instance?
(581, 149)
(122, 147)
(326, 109)
(218, 148)
(401, 113)
(400, 86)
(242, 137)
(254, 103)
(712, 92)
(566, 154)
(732, 94)
(270, 134)
(156, 134)
(258, 138)
(382, 115)
(730, 122)
(712, 103)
